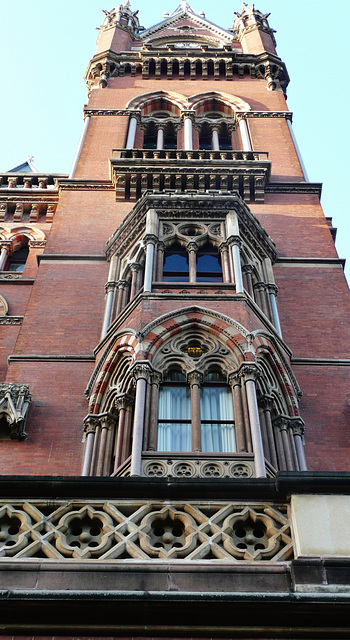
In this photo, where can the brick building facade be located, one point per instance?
(174, 410)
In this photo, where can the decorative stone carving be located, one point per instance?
(141, 530)
(15, 400)
(198, 466)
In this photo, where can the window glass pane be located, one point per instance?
(175, 262)
(217, 407)
(208, 263)
(174, 404)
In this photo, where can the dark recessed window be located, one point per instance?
(176, 264)
(18, 260)
(208, 265)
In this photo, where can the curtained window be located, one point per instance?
(174, 417)
(217, 421)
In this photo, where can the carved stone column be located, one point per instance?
(226, 271)
(110, 288)
(215, 144)
(192, 249)
(243, 127)
(130, 141)
(235, 383)
(121, 403)
(266, 402)
(141, 371)
(298, 433)
(156, 379)
(250, 372)
(272, 289)
(160, 261)
(122, 286)
(187, 120)
(235, 243)
(135, 270)
(195, 380)
(91, 422)
(150, 242)
(107, 422)
(282, 425)
(5, 252)
(160, 137)
(247, 270)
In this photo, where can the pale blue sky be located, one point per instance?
(45, 46)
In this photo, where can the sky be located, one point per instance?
(45, 47)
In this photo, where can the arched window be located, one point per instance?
(205, 137)
(150, 137)
(18, 259)
(170, 139)
(208, 264)
(217, 420)
(174, 416)
(176, 264)
(225, 141)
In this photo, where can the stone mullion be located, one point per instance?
(195, 380)
(293, 449)
(192, 261)
(153, 420)
(282, 465)
(283, 424)
(238, 413)
(5, 252)
(121, 286)
(135, 268)
(127, 435)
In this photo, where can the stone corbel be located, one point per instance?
(14, 405)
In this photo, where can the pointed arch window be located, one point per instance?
(176, 268)
(208, 264)
(217, 420)
(174, 418)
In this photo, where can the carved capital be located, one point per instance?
(135, 267)
(122, 284)
(111, 286)
(234, 240)
(234, 378)
(266, 402)
(107, 420)
(142, 370)
(123, 401)
(272, 288)
(91, 422)
(223, 247)
(150, 239)
(247, 268)
(249, 371)
(156, 378)
(192, 246)
(298, 426)
(195, 378)
(282, 422)
(188, 114)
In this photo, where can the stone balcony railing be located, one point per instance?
(134, 171)
(26, 197)
(160, 464)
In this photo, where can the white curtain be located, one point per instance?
(174, 404)
(216, 404)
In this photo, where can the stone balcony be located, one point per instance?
(28, 196)
(134, 171)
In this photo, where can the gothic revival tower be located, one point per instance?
(174, 413)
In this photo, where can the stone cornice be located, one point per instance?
(57, 257)
(309, 262)
(32, 357)
(65, 184)
(294, 187)
(322, 362)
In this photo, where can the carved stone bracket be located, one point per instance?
(15, 401)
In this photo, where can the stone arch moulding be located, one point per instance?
(234, 103)
(148, 101)
(3, 306)
(16, 235)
